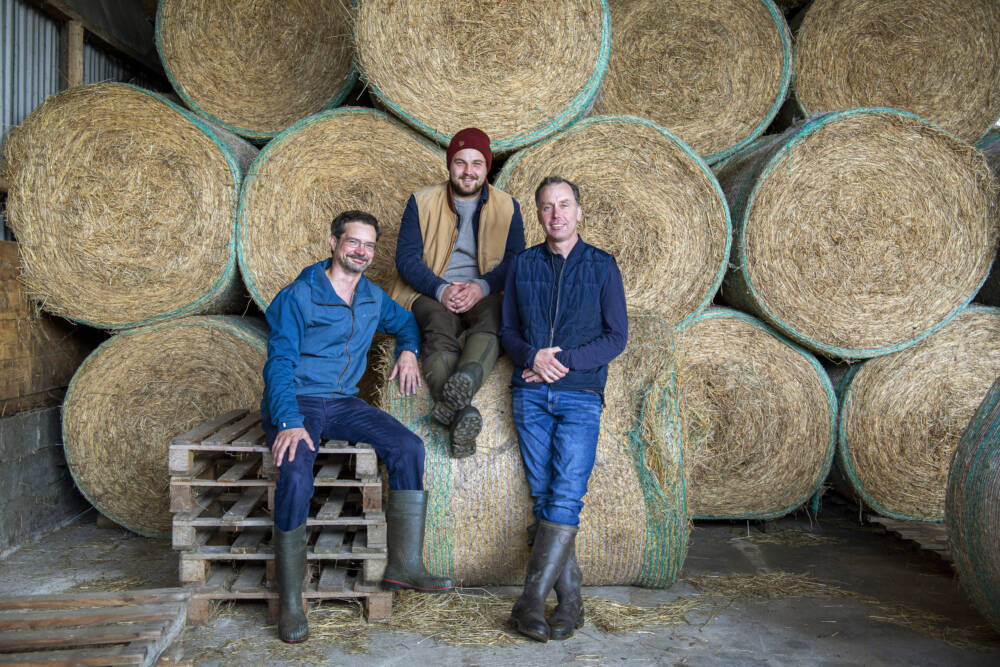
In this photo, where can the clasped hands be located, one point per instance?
(545, 368)
(459, 297)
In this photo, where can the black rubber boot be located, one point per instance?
(552, 545)
(290, 569)
(568, 615)
(478, 358)
(438, 367)
(464, 430)
(405, 527)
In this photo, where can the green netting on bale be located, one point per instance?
(972, 509)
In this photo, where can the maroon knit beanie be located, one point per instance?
(470, 137)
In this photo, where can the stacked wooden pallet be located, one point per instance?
(222, 481)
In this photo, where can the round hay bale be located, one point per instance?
(519, 70)
(902, 415)
(939, 59)
(646, 197)
(715, 74)
(272, 62)
(758, 417)
(859, 232)
(348, 158)
(633, 528)
(141, 388)
(972, 507)
(124, 204)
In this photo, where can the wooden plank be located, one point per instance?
(373, 569)
(328, 473)
(23, 640)
(30, 619)
(330, 541)
(254, 437)
(249, 540)
(371, 498)
(238, 471)
(378, 607)
(230, 433)
(365, 461)
(70, 54)
(219, 581)
(199, 433)
(131, 654)
(376, 533)
(251, 578)
(95, 599)
(334, 504)
(246, 504)
(332, 580)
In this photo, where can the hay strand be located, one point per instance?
(272, 62)
(123, 204)
(141, 388)
(714, 74)
(938, 59)
(491, 64)
(646, 198)
(902, 415)
(859, 232)
(349, 158)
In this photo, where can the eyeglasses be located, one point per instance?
(353, 244)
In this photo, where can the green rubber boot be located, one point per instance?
(464, 430)
(438, 367)
(405, 534)
(290, 566)
(552, 545)
(568, 615)
(478, 358)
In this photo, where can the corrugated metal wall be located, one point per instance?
(29, 41)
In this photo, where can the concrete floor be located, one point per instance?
(756, 631)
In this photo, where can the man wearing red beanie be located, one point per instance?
(456, 241)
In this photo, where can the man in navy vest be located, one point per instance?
(564, 320)
(321, 328)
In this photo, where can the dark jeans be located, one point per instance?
(558, 432)
(352, 419)
(440, 328)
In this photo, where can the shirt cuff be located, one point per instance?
(439, 291)
(485, 286)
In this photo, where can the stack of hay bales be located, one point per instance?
(646, 197)
(715, 74)
(517, 70)
(141, 388)
(859, 232)
(257, 66)
(634, 524)
(902, 415)
(348, 158)
(973, 507)
(758, 417)
(939, 59)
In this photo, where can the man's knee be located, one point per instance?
(410, 450)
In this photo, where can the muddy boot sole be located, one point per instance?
(464, 431)
(459, 389)
(442, 413)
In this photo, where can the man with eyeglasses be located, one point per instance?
(456, 241)
(322, 325)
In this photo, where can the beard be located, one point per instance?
(353, 267)
(462, 190)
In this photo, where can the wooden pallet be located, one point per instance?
(927, 535)
(222, 496)
(122, 628)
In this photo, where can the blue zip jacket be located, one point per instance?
(318, 345)
(576, 303)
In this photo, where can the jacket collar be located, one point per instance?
(484, 196)
(573, 254)
(323, 293)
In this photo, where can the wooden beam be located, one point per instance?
(70, 54)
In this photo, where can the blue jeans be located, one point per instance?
(352, 419)
(558, 432)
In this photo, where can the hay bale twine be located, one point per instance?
(272, 62)
(141, 388)
(518, 69)
(972, 507)
(902, 415)
(715, 74)
(633, 528)
(939, 59)
(758, 417)
(124, 204)
(859, 232)
(646, 197)
(333, 161)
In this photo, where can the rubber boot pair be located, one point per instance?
(290, 569)
(568, 615)
(550, 552)
(463, 376)
(404, 568)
